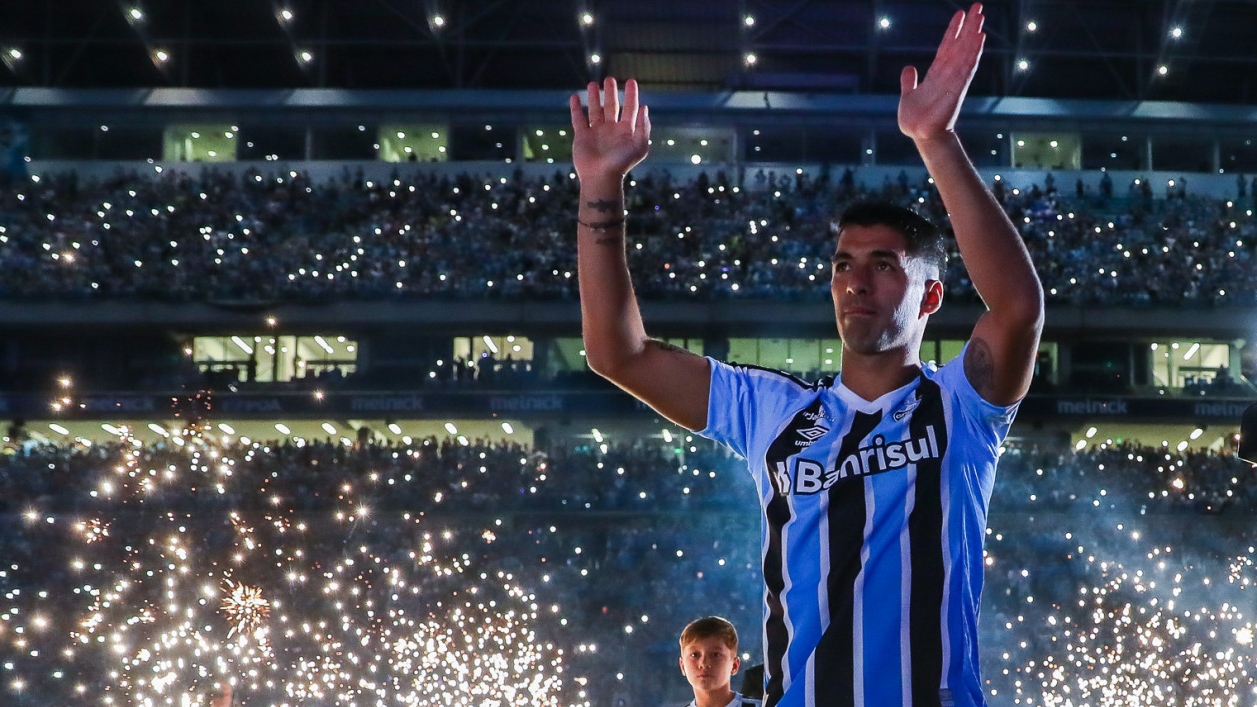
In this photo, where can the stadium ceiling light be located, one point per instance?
(595, 58)
(161, 56)
(750, 58)
(438, 21)
(285, 15)
(587, 18)
(1177, 33)
(15, 54)
(1162, 70)
(1023, 65)
(306, 56)
(749, 21)
(1032, 26)
(135, 14)
(884, 23)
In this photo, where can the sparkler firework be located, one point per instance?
(202, 574)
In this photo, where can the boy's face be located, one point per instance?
(708, 664)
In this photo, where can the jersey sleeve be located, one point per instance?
(744, 403)
(987, 421)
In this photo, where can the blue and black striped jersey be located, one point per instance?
(874, 517)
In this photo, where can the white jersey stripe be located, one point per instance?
(905, 598)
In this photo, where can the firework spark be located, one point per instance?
(245, 607)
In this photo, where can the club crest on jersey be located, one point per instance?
(907, 409)
(806, 476)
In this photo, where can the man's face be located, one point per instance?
(708, 664)
(880, 293)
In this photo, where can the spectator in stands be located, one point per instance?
(805, 442)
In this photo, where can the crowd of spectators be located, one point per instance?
(249, 236)
(627, 544)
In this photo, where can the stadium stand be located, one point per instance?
(250, 225)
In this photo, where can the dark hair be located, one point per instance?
(710, 627)
(924, 239)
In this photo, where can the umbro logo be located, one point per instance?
(812, 434)
(907, 409)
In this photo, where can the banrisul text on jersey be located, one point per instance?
(803, 476)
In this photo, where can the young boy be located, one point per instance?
(709, 659)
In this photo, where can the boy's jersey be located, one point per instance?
(737, 701)
(874, 516)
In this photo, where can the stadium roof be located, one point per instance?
(1168, 50)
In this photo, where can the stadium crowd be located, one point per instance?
(279, 236)
(622, 546)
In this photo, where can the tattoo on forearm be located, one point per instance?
(663, 345)
(606, 206)
(601, 225)
(980, 367)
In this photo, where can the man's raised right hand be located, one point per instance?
(610, 141)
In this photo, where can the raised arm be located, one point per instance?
(1000, 359)
(606, 145)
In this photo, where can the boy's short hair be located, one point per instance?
(710, 627)
(924, 239)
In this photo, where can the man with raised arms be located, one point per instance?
(874, 483)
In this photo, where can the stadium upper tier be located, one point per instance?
(281, 237)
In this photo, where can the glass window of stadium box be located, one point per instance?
(1238, 155)
(987, 148)
(568, 353)
(492, 354)
(1121, 151)
(60, 143)
(832, 145)
(128, 143)
(270, 359)
(271, 142)
(692, 145)
(893, 147)
(807, 357)
(482, 141)
(413, 142)
(1197, 368)
(353, 142)
(1172, 153)
(774, 144)
(206, 142)
(1106, 367)
(940, 351)
(1047, 150)
(1046, 367)
(549, 144)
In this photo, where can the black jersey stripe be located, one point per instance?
(835, 652)
(825, 382)
(777, 513)
(925, 536)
